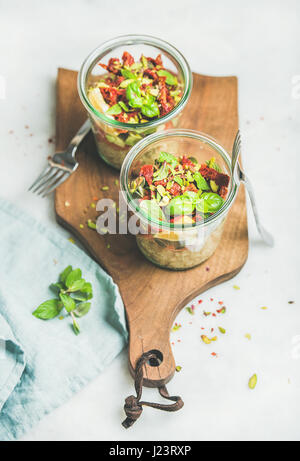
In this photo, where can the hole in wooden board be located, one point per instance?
(157, 360)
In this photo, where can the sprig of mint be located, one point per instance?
(72, 292)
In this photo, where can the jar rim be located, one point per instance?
(147, 141)
(132, 39)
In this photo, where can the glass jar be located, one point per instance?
(172, 245)
(112, 142)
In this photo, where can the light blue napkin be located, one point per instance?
(42, 363)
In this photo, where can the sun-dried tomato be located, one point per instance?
(191, 187)
(223, 191)
(117, 81)
(175, 189)
(128, 60)
(186, 161)
(109, 95)
(162, 182)
(147, 172)
(220, 179)
(151, 74)
(114, 65)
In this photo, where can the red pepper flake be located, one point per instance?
(220, 302)
(95, 199)
(222, 310)
(200, 301)
(214, 315)
(212, 329)
(202, 328)
(214, 354)
(211, 299)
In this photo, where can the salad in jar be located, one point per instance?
(132, 86)
(180, 192)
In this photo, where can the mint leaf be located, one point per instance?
(82, 309)
(65, 274)
(133, 95)
(56, 287)
(75, 325)
(72, 277)
(169, 158)
(200, 181)
(151, 209)
(151, 110)
(209, 202)
(48, 310)
(114, 110)
(171, 79)
(68, 302)
(76, 286)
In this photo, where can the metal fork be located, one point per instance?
(60, 166)
(238, 176)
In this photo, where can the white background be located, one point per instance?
(259, 42)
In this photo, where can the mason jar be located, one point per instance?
(173, 245)
(108, 132)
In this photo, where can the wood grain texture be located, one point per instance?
(152, 296)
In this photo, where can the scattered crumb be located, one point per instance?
(248, 336)
(264, 308)
(81, 226)
(108, 246)
(236, 287)
(26, 127)
(61, 317)
(178, 368)
(55, 261)
(291, 302)
(71, 240)
(93, 205)
(116, 182)
(104, 188)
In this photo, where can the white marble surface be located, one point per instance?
(259, 42)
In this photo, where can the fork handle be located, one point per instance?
(266, 236)
(79, 136)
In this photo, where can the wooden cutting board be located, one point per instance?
(152, 296)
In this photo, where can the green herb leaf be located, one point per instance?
(171, 79)
(114, 110)
(48, 310)
(77, 285)
(180, 205)
(82, 309)
(169, 158)
(209, 203)
(161, 173)
(200, 181)
(65, 274)
(75, 326)
(68, 302)
(133, 95)
(72, 277)
(152, 210)
(127, 74)
(150, 110)
(56, 287)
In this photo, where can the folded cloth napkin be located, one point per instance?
(42, 363)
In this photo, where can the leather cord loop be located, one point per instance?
(134, 406)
